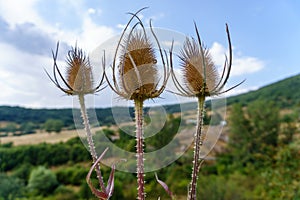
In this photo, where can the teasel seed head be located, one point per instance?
(138, 72)
(79, 77)
(136, 76)
(79, 71)
(199, 71)
(201, 78)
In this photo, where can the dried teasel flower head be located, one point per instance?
(79, 78)
(79, 71)
(200, 74)
(138, 72)
(136, 76)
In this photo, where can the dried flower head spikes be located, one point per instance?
(138, 72)
(79, 81)
(200, 74)
(136, 78)
(201, 80)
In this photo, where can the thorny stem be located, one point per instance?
(140, 148)
(90, 139)
(198, 141)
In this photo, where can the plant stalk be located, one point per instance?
(197, 146)
(90, 140)
(140, 148)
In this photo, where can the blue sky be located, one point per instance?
(265, 36)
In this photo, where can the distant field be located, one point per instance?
(185, 137)
(41, 137)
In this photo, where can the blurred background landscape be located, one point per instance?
(256, 157)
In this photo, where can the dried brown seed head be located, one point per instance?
(138, 72)
(79, 72)
(198, 68)
(79, 77)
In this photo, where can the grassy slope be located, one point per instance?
(284, 93)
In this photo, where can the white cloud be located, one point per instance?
(93, 35)
(239, 90)
(17, 12)
(88, 33)
(91, 11)
(156, 17)
(24, 82)
(121, 26)
(246, 65)
(22, 78)
(168, 44)
(241, 65)
(140, 16)
(218, 53)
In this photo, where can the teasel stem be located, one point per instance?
(138, 103)
(198, 141)
(90, 140)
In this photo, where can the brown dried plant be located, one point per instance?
(138, 72)
(79, 81)
(201, 80)
(136, 78)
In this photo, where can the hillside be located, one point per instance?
(38, 116)
(104, 115)
(284, 93)
(223, 173)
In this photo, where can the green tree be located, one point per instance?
(288, 127)
(253, 133)
(42, 181)
(264, 122)
(11, 128)
(23, 172)
(126, 140)
(240, 137)
(27, 128)
(282, 179)
(165, 135)
(10, 187)
(53, 125)
(233, 187)
(64, 193)
(85, 192)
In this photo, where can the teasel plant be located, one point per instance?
(135, 77)
(200, 80)
(79, 82)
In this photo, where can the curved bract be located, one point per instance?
(79, 79)
(136, 74)
(199, 72)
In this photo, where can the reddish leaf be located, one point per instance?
(97, 193)
(110, 183)
(164, 185)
